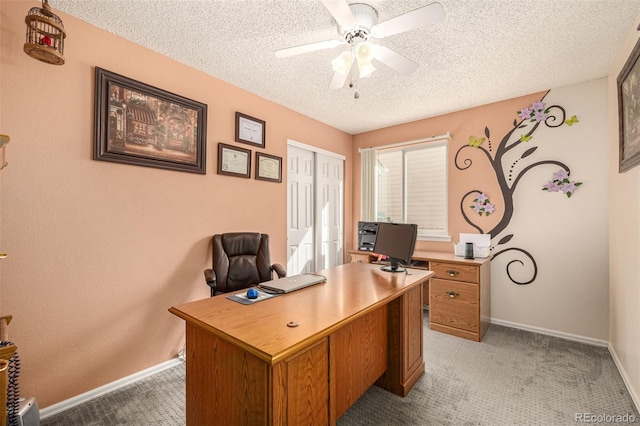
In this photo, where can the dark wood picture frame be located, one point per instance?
(268, 167)
(139, 124)
(250, 130)
(629, 111)
(234, 161)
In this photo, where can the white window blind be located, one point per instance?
(411, 187)
(368, 178)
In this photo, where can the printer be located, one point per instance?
(367, 235)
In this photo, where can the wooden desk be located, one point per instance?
(246, 366)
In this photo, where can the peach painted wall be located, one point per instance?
(99, 251)
(624, 243)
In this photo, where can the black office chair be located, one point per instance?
(240, 260)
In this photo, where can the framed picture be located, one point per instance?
(234, 161)
(268, 167)
(629, 111)
(250, 130)
(142, 125)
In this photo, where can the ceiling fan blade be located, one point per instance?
(341, 12)
(395, 60)
(339, 79)
(304, 48)
(424, 16)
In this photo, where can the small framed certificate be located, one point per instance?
(268, 167)
(250, 130)
(234, 161)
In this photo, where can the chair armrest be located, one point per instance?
(210, 278)
(279, 270)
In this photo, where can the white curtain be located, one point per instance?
(369, 162)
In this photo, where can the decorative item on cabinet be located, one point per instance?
(45, 35)
(4, 140)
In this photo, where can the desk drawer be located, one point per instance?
(454, 304)
(457, 272)
(360, 258)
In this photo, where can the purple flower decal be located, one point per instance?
(561, 175)
(569, 187)
(482, 205)
(551, 186)
(561, 182)
(535, 112)
(489, 208)
(538, 105)
(539, 116)
(525, 113)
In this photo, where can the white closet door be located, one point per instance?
(300, 215)
(329, 211)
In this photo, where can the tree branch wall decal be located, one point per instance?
(515, 141)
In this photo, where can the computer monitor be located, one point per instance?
(396, 241)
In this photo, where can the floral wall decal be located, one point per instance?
(518, 143)
(481, 205)
(561, 183)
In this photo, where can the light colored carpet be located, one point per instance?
(512, 377)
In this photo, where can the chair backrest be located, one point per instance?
(240, 260)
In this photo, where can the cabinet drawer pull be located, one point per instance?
(451, 294)
(452, 273)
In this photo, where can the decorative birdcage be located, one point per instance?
(45, 35)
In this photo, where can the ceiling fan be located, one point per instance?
(357, 24)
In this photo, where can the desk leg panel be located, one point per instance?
(358, 358)
(406, 360)
(307, 386)
(225, 384)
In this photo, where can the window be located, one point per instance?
(411, 187)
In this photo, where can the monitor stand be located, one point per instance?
(394, 267)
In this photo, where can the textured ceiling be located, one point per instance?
(485, 51)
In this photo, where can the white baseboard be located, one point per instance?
(625, 378)
(109, 387)
(561, 334)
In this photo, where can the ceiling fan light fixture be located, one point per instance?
(356, 24)
(342, 63)
(366, 69)
(365, 51)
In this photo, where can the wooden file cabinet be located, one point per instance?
(459, 296)
(459, 299)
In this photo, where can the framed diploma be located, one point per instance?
(234, 161)
(268, 167)
(250, 130)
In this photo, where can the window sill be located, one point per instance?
(440, 238)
